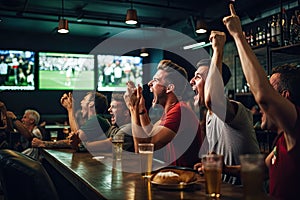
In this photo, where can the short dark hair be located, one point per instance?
(118, 96)
(226, 73)
(101, 103)
(176, 75)
(289, 79)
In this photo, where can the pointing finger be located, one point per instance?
(232, 11)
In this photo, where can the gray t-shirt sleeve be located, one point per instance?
(242, 118)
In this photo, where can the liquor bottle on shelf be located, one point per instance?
(260, 35)
(293, 34)
(278, 30)
(251, 38)
(263, 36)
(257, 36)
(273, 30)
(285, 29)
(268, 32)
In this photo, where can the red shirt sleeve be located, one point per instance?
(172, 118)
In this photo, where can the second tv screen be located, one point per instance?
(66, 71)
(115, 71)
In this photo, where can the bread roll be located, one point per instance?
(174, 176)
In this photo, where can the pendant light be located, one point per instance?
(63, 26)
(131, 16)
(201, 26)
(144, 52)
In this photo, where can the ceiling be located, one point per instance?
(105, 18)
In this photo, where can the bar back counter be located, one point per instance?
(78, 175)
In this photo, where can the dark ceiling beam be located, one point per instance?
(108, 24)
(168, 6)
(88, 15)
(91, 17)
(153, 5)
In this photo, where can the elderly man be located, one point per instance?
(28, 128)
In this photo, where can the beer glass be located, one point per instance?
(53, 135)
(117, 142)
(146, 156)
(212, 165)
(252, 174)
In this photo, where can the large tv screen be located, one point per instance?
(17, 70)
(66, 71)
(115, 71)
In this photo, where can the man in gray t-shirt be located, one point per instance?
(229, 127)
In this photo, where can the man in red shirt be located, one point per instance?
(177, 135)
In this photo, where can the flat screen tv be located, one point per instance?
(115, 71)
(17, 70)
(66, 71)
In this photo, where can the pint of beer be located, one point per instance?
(146, 156)
(252, 174)
(117, 142)
(53, 135)
(213, 164)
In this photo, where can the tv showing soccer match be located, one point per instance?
(17, 70)
(66, 71)
(115, 71)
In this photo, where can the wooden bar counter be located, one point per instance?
(93, 179)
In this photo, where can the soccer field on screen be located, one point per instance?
(57, 80)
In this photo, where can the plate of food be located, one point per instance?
(175, 178)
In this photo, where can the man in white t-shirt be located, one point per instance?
(229, 126)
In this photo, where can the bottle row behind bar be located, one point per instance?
(279, 30)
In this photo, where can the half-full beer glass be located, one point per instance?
(213, 164)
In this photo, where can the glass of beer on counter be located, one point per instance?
(252, 174)
(213, 164)
(146, 156)
(117, 142)
(53, 135)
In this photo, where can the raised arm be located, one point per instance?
(214, 87)
(19, 126)
(279, 109)
(67, 102)
(132, 102)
